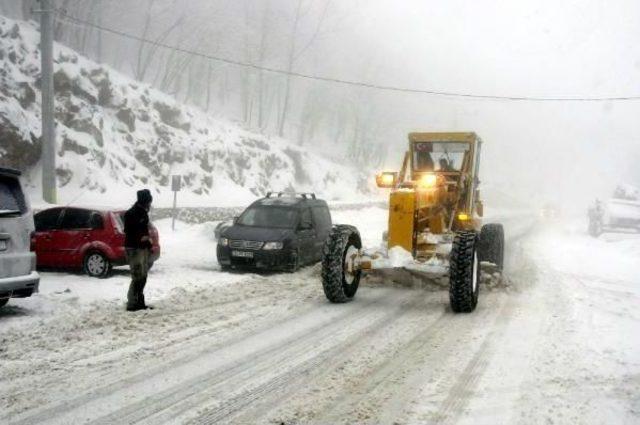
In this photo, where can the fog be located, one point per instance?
(567, 152)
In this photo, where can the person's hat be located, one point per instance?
(144, 196)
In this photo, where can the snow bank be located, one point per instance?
(115, 135)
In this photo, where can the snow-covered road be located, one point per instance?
(558, 344)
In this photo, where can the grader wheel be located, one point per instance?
(338, 283)
(491, 244)
(464, 273)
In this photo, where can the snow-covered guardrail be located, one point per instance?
(204, 214)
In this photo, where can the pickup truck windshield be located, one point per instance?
(269, 216)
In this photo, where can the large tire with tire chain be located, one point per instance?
(491, 244)
(339, 285)
(464, 272)
(96, 264)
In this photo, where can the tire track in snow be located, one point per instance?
(233, 317)
(276, 390)
(382, 394)
(190, 354)
(463, 388)
(165, 406)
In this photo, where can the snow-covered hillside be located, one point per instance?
(116, 135)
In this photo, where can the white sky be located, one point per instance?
(561, 151)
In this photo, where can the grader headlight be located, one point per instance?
(387, 179)
(464, 217)
(428, 180)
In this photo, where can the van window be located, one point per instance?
(75, 219)
(322, 217)
(11, 197)
(47, 219)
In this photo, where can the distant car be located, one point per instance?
(550, 211)
(18, 278)
(87, 239)
(279, 232)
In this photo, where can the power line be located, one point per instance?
(353, 83)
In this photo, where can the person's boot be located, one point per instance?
(134, 307)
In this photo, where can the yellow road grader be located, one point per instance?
(435, 223)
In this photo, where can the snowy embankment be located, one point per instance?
(116, 135)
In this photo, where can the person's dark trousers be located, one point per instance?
(139, 265)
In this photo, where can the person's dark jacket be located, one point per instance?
(136, 227)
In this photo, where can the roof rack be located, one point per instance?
(303, 195)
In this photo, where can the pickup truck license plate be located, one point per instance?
(243, 254)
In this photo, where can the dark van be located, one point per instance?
(279, 232)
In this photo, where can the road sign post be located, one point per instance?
(176, 184)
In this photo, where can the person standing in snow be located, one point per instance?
(138, 246)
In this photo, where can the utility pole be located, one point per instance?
(99, 33)
(48, 138)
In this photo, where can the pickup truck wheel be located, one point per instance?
(4, 302)
(97, 265)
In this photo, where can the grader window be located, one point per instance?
(439, 156)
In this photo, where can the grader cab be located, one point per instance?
(435, 223)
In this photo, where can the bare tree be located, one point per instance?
(295, 53)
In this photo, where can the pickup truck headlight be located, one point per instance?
(223, 241)
(269, 246)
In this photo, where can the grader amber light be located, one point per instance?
(386, 179)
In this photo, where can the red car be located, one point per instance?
(87, 239)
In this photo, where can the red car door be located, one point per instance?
(75, 232)
(47, 223)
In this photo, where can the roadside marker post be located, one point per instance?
(176, 185)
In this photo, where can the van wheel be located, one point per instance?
(97, 265)
(294, 266)
(4, 302)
